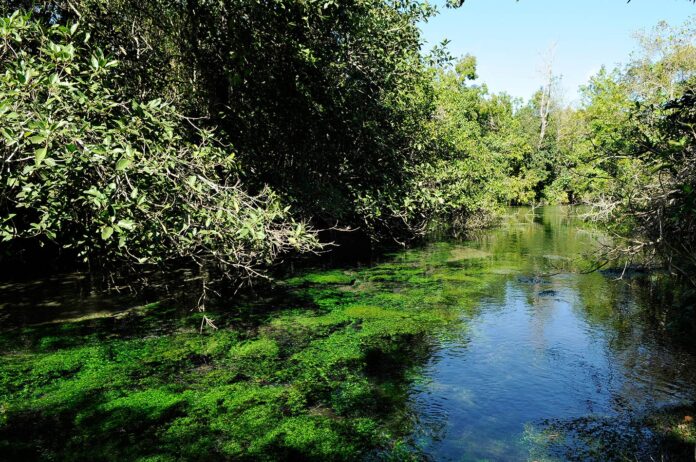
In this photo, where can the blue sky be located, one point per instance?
(510, 38)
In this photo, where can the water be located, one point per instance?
(504, 347)
(545, 345)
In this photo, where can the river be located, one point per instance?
(547, 345)
(501, 347)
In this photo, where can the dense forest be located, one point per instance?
(225, 137)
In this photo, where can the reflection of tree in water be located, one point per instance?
(646, 359)
(613, 438)
(636, 337)
(621, 368)
(56, 298)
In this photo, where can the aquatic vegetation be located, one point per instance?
(336, 364)
(668, 434)
(325, 277)
(323, 378)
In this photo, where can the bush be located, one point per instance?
(117, 181)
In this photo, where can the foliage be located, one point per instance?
(120, 182)
(641, 120)
(628, 149)
(328, 103)
(324, 101)
(662, 214)
(487, 144)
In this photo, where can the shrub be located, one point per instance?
(120, 182)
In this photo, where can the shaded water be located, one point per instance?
(498, 348)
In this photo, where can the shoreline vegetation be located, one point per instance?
(112, 166)
(207, 146)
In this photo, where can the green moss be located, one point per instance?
(324, 277)
(255, 349)
(324, 354)
(324, 378)
(373, 312)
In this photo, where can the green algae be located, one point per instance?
(325, 277)
(320, 372)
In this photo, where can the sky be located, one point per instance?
(510, 39)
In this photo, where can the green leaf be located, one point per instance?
(106, 232)
(39, 155)
(122, 164)
(126, 224)
(28, 74)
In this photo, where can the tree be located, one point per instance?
(639, 121)
(120, 183)
(546, 94)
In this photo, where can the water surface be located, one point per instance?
(548, 345)
(504, 347)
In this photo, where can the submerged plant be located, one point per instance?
(327, 379)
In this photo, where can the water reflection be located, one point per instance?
(545, 345)
(63, 297)
(498, 348)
